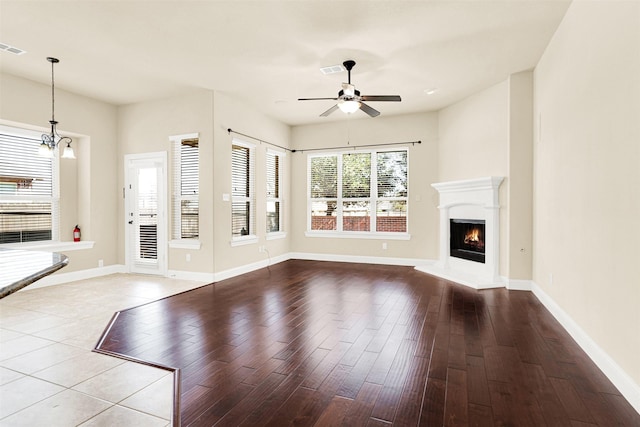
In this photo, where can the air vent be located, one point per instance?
(12, 49)
(332, 69)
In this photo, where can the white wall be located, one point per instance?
(423, 170)
(587, 175)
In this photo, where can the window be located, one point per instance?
(358, 192)
(274, 195)
(242, 191)
(29, 197)
(185, 212)
(392, 191)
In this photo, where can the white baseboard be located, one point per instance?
(232, 272)
(59, 278)
(518, 284)
(411, 262)
(191, 275)
(625, 384)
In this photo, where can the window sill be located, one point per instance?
(51, 246)
(276, 235)
(358, 235)
(185, 244)
(244, 240)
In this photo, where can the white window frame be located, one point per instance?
(373, 199)
(281, 233)
(177, 242)
(251, 199)
(54, 199)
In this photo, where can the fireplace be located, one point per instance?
(466, 239)
(469, 233)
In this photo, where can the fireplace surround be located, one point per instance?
(475, 204)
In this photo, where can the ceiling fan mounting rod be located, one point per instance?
(348, 64)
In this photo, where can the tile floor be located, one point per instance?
(48, 373)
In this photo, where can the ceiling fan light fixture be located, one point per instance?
(348, 106)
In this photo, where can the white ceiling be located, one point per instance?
(269, 53)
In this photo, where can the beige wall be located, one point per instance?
(86, 197)
(474, 137)
(423, 170)
(146, 128)
(491, 134)
(231, 113)
(474, 142)
(587, 175)
(520, 183)
(586, 171)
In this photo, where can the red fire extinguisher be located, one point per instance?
(76, 234)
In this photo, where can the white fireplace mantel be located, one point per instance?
(476, 199)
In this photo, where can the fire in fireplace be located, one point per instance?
(466, 239)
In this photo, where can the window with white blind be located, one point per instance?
(242, 191)
(29, 196)
(186, 166)
(358, 193)
(274, 195)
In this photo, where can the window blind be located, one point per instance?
(356, 192)
(274, 201)
(186, 166)
(242, 190)
(392, 183)
(323, 184)
(28, 193)
(392, 174)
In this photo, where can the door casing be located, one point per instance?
(132, 162)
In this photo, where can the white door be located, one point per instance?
(145, 213)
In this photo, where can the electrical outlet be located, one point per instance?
(551, 278)
(188, 257)
(100, 263)
(384, 246)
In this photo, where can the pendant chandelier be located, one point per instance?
(52, 139)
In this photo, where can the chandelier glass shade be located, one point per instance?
(52, 139)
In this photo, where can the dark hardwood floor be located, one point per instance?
(317, 343)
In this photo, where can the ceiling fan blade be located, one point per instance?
(329, 111)
(394, 98)
(317, 99)
(370, 111)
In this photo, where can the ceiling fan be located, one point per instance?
(350, 100)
